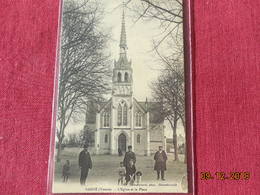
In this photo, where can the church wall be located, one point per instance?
(144, 120)
(104, 146)
(156, 137)
(140, 148)
(155, 145)
(106, 109)
(156, 132)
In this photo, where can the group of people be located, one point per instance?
(127, 171)
(85, 163)
(160, 158)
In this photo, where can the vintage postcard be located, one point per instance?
(120, 120)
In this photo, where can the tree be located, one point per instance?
(84, 65)
(169, 87)
(173, 73)
(169, 90)
(168, 14)
(87, 136)
(73, 140)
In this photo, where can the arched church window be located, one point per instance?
(119, 77)
(126, 77)
(106, 119)
(140, 120)
(122, 113)
(106, 138)
(125, 115)
(119, 115)
(136, 119)
(138, 138)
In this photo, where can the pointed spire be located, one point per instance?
(123, 44)
(123, 61)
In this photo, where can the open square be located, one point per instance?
(104, 171)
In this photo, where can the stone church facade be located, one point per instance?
(123, 120)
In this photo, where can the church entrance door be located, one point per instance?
(122, 142)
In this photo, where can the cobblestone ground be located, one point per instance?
(105, 168)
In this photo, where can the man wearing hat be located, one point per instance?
(129, 164)
(85, 163)
(128, 156)
(160, 158)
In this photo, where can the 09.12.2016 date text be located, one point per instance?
(225, 176)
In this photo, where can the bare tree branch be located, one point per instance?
(85, 67)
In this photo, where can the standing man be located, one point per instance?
(85, 163)
(129, 164)
(128, 156)
(160, 158)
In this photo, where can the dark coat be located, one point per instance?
(158, 166)
(85, 161)
(128, 157)
(66, 170)
(130, 171)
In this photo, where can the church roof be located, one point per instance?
(155, 110)
(123, 62)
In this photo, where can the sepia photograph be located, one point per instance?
(120, 122)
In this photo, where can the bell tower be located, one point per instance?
(122, 97)
(122, 72)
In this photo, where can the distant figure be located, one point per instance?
(66, 171)
(130, 173)
(160, 158)
(121, 173)
(120, 152)
(85, 163)
(138, 177)
(128, 156)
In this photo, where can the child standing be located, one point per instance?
(121, 173)
(130, 173)
(66, 171)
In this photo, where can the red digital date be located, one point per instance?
(225, 176)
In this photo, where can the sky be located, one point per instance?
(145, 64)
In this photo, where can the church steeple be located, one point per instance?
(123, 61)
(123, 44)
(122, 72)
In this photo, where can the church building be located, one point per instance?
(123, 120)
